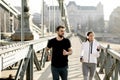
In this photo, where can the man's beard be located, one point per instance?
(61, 36)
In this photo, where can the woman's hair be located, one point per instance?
(88, 33)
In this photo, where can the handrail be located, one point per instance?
(37, 29)
(114, 54)
(20, 45)
(108, 63)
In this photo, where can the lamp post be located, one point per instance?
(54, 18)
(42, 18)
(0, 28)
(49, 19)
(52, 11)
(22, 19)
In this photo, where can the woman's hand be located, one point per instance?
(98, 48)
(81, 59)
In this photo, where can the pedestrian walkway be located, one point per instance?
(75, 67)
(74, 71)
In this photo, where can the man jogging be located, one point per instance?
(61, 48)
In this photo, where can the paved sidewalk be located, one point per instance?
(75, 72)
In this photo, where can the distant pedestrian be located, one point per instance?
(61, 48)
(89, 55)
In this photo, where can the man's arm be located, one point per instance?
(48, 54)
(49, 45)
(47, 50)
(69, 52)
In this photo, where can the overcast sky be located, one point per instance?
(109, 5)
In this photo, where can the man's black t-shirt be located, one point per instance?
(58, 59)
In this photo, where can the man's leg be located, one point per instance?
(85, 70)
(55, 73)
(92, 70)
(64, 73)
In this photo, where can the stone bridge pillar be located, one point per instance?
(24, 32)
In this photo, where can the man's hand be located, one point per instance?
(65, 52)
(69, 52)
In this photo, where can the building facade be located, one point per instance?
(85, 18)
(54, 16)
(114, 23)
(81, 18)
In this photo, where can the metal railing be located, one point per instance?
(25, 53)
(37, 29)
(108, 65)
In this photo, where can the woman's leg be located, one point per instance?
(85, 70)
(92, 70)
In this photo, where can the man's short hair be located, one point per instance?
(57, 29)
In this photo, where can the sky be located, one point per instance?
(108, 5)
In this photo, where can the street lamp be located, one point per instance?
(63, 17)
(0, 28)
(22, 19)
(42, 18)
(54, 18)
(49, 17)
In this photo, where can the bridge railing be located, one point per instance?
(24, 52)
(108, 65)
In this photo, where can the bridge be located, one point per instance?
(25, 56)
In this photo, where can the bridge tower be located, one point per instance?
(64, 15)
